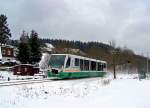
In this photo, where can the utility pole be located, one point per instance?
(147, 63)
(114, 67)
(114, 53)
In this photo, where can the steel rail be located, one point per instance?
(24, 82)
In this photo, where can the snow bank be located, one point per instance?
(127, 76)
(43, 64)
(5, 74)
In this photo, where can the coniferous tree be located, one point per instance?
(34, 47)
(4, 30)
(24, 53)
(24, 49)
(24, 37)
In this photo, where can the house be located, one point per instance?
(7, 55)
(25, 70)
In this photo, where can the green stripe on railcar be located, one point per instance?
(82, 74)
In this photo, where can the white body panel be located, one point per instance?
(73, 57)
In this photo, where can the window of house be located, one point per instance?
(19, 69)
(9, 52)
(3, 52)
(25, 69)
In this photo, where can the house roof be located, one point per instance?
(7, 46)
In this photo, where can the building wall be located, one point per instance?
(25, 70)
(6, 54)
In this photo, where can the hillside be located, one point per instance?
(123, 57)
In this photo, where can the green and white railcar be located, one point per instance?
(63, 66)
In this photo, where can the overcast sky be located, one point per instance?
(126, 21)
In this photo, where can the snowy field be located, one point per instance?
(82, 93)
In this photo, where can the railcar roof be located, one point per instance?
(86, 58)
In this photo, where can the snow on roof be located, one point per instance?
(49, 45)
(23, 65)
(7, 46)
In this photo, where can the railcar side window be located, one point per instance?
(68, 62)
(76, 62)
(81, 64)
(93, 65)
(86, 65)
(104, 65)
(99, 67)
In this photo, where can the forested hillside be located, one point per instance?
(119, 56)
(98, 50)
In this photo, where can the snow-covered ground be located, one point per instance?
(4, 75)
(80, 93)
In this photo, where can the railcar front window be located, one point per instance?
(57, 61)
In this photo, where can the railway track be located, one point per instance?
(22, 82)
(12, 83)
